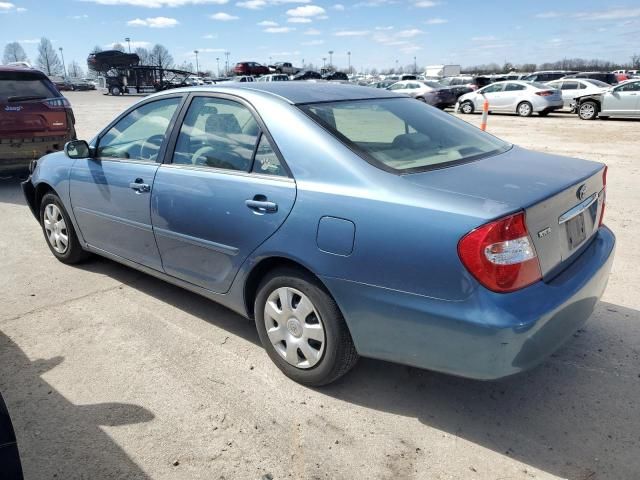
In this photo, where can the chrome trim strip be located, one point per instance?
(577, 210)
(198, 242)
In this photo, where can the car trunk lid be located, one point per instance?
(562, 197)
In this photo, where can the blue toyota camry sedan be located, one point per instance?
(346, 221)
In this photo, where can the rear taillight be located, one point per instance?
(501, 255)
(58, 102)
(604, 194)
(545, 93)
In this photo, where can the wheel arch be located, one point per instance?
(40, 191)
(262, 269)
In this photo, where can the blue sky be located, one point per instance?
(377, 32)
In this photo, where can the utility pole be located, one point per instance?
(226, 70)
(415, 65)
(324, 62)
(64, 69)
(396, 70)
(349, 55)
(330, 58)
(218, 65)
(197, 65)
(128, 40)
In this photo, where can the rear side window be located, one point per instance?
(402, 135)
(25, 84)
(570, 86)
(512, 87)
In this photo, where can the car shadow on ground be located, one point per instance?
(576, 416)
(10, 190)
(56, 438)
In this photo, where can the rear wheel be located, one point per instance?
(302, 328)
(422, 99)
(466, 107)
(525, 109)
(588, 110)
(58, 231)
(115, 91)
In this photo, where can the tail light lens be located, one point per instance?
(604, 194)
(58, 102)
(545, 93)
(501, 255)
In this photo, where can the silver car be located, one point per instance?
(514, 96)
(274, 77)
(622, 100)
(577, 87)
(429, 92)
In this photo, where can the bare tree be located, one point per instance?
(75, 70)
(145, 56)
(187, 66)
(635, 61)
(96, 49)
(161, 57)
(13, 52)
(48, 60)
(118, 46)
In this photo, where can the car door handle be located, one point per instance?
(261, 205)
(139, 186)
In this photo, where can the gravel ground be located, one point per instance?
(111, 374)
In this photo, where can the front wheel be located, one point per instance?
(58, 231)
(588, 110)
(115, 91)
(302, 328)
(466, 107)
(525, 109)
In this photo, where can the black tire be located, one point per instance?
(544, 113)
(74, 252)
(115, 91)
(422, 99)
(339, 354)
(522, 109)
(467, 105)
(588, 110)
(603, 117)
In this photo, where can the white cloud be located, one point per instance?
(551, 14)
(7, 6)
(285, 54)
(338, 6)
(414, 32)
(153, 22)
(79, 17)
(21, 9)
(252, 4)
(207, 50)
(278, 29)
(268, 23)
(306, 11)
(210, 36)
(352, 33)
(299, 20)
(311, 43)
(425, 4)
(485, 38)
(158, 3)
(136, 44)
(30, 41)
(613, 14)
(223, 17)
(312, 31)
(390, 27)
(375, 3)
(436, 21)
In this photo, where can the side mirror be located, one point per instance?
(77, 149)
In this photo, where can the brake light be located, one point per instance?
(545, 93)
(501, 255)
(58, 102)
(604, 194)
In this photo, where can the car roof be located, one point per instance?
(17, 68)
(295, 92)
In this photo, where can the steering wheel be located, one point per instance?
(200, 157)
(150, 147)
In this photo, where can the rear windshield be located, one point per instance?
(25, 84)
(404, 136)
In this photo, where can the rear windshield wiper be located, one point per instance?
(25, 98)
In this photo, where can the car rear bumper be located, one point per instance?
(488, 335)
(16, 154)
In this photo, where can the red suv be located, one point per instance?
(35, 119)
(250, 68)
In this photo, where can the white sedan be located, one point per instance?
(571, 88)
(513, 96)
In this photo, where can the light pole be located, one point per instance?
(128, 40)
(218, 65)
(415, 65)
(330, 58)
(324, 62)
(197, 65)
(64, 69)
(226, 68)
(349, 56)
(396, 70)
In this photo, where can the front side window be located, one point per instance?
(629, 87)
(403, 135)
(139, 134)
(496, 87)
(512, 87)
(217, 133)
(397, 86)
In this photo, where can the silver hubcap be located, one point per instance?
(525, 109)
(55, 228)
(466, 108)
(587, 110)
(294, 327)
